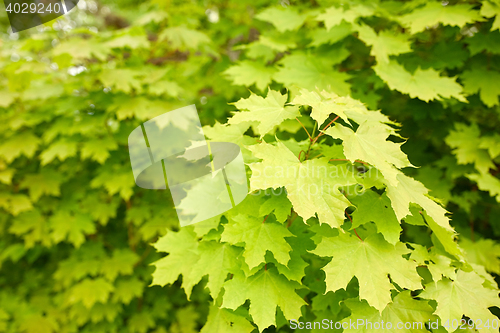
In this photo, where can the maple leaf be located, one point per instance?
(277, 203)
(463, 296)
(369, 144)
(80, 49)
(129, 41)
(121, 79)
(407, 191)
(310, 73)
(371, 207)
(221, 320)
(269, 111)
(115, 179)
(248, 72)
(23, 143)
(266, 291)
(487, 182)
(330, 36)
(484, 42)
(98, 149)
(383, 44)
(370, 260)
(71, 227)
(312, 186)
(217, 260)
(282, 18)
(465, 142)
(90, 291)
(425, 84)
(61, 149)
(492, 143)
(127, 289)
(334, 16)
(325, 103)
(491, 9)
(184, 38)
(182, 247)
(403, 309)
(120, 263)
(47, 182)
(434, 13)
(258, 238)
(484, 252)
(482, 81)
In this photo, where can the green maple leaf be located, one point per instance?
(487, 182)
(408, 191)
(266, 291)
(217, 260)
(325, 103)
(23, 143)
(258, 238)
(47, 182)
(221, 320)
(182, 247)
(248, 72)
(61, 149)
(230, 133)
(90, 291)
(165, 87)
(383, 44)
(277, 203)
(463, 296)
(371, 261)
(268, 112)
(425, 84)
(129, 41)
(312, 186)
(371, 207)
(438, 264)
(80, 49)
(465, 142)
(127, 289)
(32, 227)
(484, 42)
(484, 252)
(142, 322)
(491, 9)
(434, 13)
(313, 72)
(115, 179)
(484, 82)
(120, 263)
(369, 144)
(98, 149)
(184, 38)
(492, 143)
(71, 227)
(330, 36)
(282, 18)
(121, 79)
(334, 16)
(403, 309)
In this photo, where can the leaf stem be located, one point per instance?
(309, 135)
(265, 218)
(322, 131)
(350, 219)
